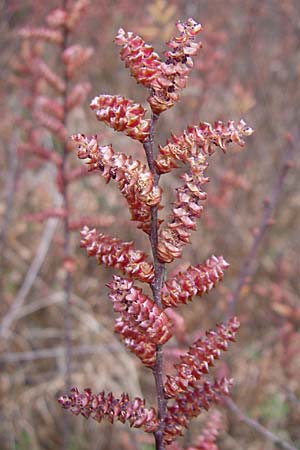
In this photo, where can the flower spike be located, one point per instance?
(190, 404)
(195, 280)
(175, 69)
(75, 57)
(135, 182)
(204, 138)
(101, 406)
(78, 95)
(200, 356)
(44, 71)
(192, 148)
(165, 78)
(208, 437)
(68, 18)
(139, 310)
(187, 208)
(139, 57)
(136, 341)
(114, 253)
(122, 114)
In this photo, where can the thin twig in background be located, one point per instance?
(67, 282)
(30, 277)
(292, 397)
(58, 352)
(278, 441)
(248, 266)
(11, 178)
(37, 305)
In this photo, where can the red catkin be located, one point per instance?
(123, 115)
(200, 357)
(195, 280)
(101, 406)
(139, 310)
(114, 253)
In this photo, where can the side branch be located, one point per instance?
(279, 442)
(30, 277)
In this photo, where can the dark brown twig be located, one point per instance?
(159, 271)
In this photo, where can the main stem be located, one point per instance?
(156, 285)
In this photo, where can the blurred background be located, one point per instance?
(249, 68)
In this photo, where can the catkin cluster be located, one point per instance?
(143, 323)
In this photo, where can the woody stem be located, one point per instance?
(156, 285)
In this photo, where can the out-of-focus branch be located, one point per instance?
(291, 397)
(270, 205)
(30, 277)
(57, 352)
(278, 441)
(9, 193)
(67, 283)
